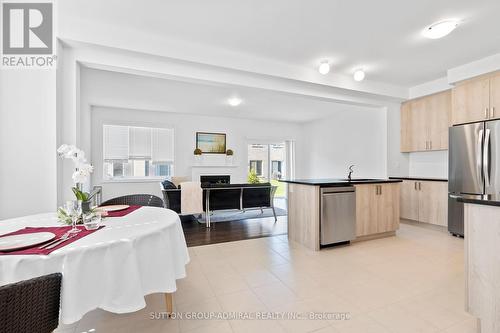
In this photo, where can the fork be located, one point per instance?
(53, 245)
(63, 237)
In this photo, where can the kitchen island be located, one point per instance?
(482, 259)
(376, 211)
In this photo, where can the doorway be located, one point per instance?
(268, 162)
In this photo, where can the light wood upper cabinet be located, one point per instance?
(477, 99)
(471, 101)
(406, 127)
(419, 129)
(425, 122)
(438, 120)
(495, 96)
(377, 208)
(425, 201)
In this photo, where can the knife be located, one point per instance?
(60, 242)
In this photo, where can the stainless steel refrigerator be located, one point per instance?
(474, 166)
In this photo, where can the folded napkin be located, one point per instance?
(121, 213)
(58, 231)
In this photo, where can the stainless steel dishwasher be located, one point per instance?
(338, 214)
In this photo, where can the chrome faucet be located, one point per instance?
(350, 172)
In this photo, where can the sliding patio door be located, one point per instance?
(270, 162)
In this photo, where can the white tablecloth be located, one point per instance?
(113, 269)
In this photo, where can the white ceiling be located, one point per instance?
(382, 36)
(105, 88)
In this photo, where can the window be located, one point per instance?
(256, 166)
(137, 152)
(276, 169)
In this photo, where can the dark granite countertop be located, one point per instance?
(338, 182)
(489, 200)
(432, 179)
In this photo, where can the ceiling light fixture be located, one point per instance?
(440, 29)
(324, 67)
(359, 75)
(234, 101)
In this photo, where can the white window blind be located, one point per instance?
(139, 143)
(162, 145)
(115, 143)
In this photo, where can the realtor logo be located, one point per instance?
(27, 29)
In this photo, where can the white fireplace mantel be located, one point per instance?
(215, 164)
(207, 170)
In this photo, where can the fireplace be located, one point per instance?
(215, 179)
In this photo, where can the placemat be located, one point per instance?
(58, 231)
(123, 212)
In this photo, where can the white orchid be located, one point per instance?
(73, 153)
(83, 169)
(87, 168)
(79, 156)
(61, 151)
(80, 176)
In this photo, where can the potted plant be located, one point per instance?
(197, 155)
(81, 174)
(229, 156)
(252, 177)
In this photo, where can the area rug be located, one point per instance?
(236, 215)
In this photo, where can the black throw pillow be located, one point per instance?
(168, 185)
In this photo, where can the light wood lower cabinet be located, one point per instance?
(366, 209)
(377, 208)
(304, 215)
(409, 200)
(425, 201)
(388, 210)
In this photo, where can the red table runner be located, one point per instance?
(58, 231)
(123, 212)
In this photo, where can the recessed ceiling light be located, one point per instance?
(324, 67)
(440, 29)
(359, 75)
(234, 101)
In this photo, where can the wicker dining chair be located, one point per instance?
(31, 306)
(136, 199)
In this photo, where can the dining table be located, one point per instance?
(113, 268)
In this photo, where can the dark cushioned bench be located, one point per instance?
(227, 196)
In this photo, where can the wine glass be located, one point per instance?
(74, 210)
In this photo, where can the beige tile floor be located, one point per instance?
(409, 283)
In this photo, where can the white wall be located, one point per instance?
(435, 163)
(357, 137)
(397, 162)
(27, 142)
(429, 88)
(429, 164)
(239, 132)
(324, 148)
(417, 164)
